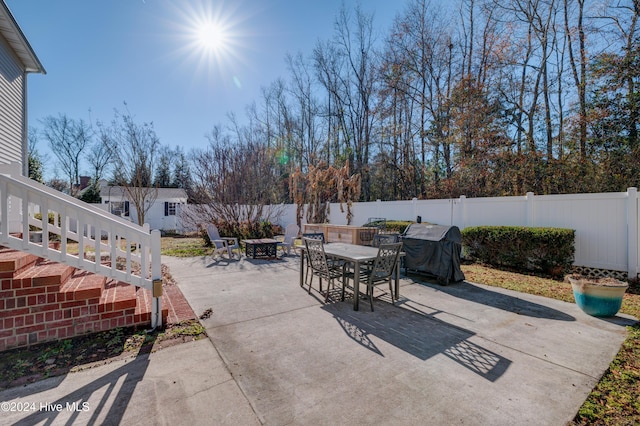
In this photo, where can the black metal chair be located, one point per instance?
(385, 239)
(382, 270)
(319, 265)
(367, 235)
(312, 236)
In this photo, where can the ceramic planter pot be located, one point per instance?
(600, 297)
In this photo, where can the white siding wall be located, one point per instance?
(12, 81)
(155, 215)
(157, 220)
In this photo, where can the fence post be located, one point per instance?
(530, 219)
(632, 232)
(414, 203)
(462, 214)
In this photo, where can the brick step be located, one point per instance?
(12, 262)
(44, 276)
(41, 300)
(143, 306)
(83, 285)
(117, 296)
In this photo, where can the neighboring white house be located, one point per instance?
(164, 214)
(17, 59)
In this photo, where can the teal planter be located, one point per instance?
(599, 297)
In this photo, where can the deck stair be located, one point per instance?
(41, 300)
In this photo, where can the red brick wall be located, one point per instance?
(47, 301)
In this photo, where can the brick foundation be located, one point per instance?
(42, 301)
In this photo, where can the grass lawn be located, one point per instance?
(184, 246)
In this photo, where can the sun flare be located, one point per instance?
(212, 36)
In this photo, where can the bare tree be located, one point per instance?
(355, 38)
(99, 157)
(307, 130)
(346, 68)
(134, 148)
(328, 65)
(68, 140)
(418, 66)
(58, 184)
(578, 65)
(235, 182)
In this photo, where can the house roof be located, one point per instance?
(10, 30)
(163, 193)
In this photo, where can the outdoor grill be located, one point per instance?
(433, 250)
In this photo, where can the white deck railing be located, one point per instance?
(39, 220)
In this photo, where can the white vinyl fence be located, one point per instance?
(606, 224)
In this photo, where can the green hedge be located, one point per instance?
(392, 225)
(397, 225)
(549, 250)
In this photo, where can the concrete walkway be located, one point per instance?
(459, 354)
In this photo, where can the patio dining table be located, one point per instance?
(357, 255)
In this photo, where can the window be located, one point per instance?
(119, 208)
(170, 208)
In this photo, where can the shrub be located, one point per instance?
(549, 250)
(51, 218)
(243, 230)
(390, 225)
(398, 226)
(205, 236)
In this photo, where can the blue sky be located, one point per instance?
(99, 54)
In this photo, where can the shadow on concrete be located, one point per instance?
(623, 321)
(221, 261)
(114, 391)
(473, 293)
(264, 261)
(417, 334)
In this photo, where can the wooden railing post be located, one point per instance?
(156, 278)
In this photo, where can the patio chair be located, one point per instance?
(313, 236)
(382, 270)
(222, 244)
(367, 234)
(320, 267)
(385, 239)
(289, 237)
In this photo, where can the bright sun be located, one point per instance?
(212, 36)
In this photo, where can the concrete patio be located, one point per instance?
(457, 354)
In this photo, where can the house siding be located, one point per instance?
(12, 116)
(155, 216)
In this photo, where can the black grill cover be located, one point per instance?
(434, 250)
